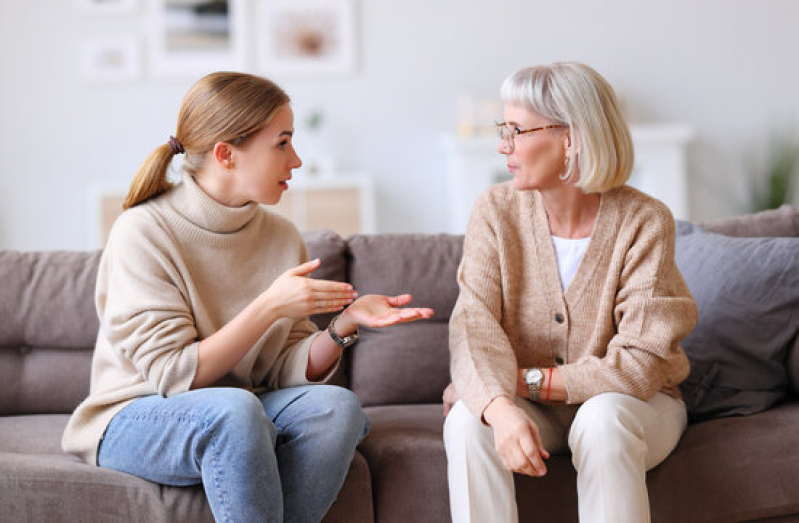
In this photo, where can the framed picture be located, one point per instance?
(194, 37)
(109, 60)
(307, 37)
(107, 6)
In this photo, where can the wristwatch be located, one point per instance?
(344, 342)
(534, 378)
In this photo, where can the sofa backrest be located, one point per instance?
(406, 363)
(48, 327)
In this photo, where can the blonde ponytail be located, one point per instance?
(150, 180)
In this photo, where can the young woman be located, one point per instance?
(565, 336)
(207, 368)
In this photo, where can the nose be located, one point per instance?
(297, 162)
(504, 147)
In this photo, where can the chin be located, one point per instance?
(521, 184)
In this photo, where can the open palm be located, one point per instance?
(375, 310)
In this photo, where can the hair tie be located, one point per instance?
(175, 145)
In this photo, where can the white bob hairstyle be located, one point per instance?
(575, 95)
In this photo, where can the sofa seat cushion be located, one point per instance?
(41, 483)
(731, 469)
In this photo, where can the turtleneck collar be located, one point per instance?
(205, 212)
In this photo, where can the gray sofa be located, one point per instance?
(726, 468)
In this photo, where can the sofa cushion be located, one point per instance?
(48, 329)
(773, 222)
(731, 469)
(41, 483)
(331, 249)
(747, 291)
(406, 363)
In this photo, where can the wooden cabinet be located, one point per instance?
(344, 204)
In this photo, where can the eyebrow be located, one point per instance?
(287, 133)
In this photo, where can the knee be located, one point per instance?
(462, 429)
(341, 411)
(238, 412)
(604, 427)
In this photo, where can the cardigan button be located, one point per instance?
(559, 318)
(559, 360)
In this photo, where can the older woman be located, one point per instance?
(566, 333)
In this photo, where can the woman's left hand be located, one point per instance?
(375, 310)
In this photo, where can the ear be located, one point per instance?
(223, 155)
(569, 145)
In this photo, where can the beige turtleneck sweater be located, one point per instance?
(616, 328)
(175, 270)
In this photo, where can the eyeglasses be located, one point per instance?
(507, 132)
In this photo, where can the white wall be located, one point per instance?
(727, 67)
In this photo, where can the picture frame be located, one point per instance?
(307, 37)
(190, 38)
(113, 59)
(107, 6)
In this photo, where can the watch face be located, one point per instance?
(533, 376)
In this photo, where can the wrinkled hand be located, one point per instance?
(516, 438)
(450, 397)
(293, 295)
(375, 310)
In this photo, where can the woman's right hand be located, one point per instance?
(294, 295)
(516, 437)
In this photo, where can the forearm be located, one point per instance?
(324, 351)
(220, 352)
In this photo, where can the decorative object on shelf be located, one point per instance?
(775, 183)
(110, 60)
(107, 6)
(307, 37)
(194, 37)
(311, 145)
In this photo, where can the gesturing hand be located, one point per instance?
(375, 310)
(516, 438)
(293, 295)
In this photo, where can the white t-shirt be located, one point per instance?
(570, 252)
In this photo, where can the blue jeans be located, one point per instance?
(280, 456)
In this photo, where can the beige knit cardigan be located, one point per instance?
(616, 328)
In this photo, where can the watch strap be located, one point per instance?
(344, 342)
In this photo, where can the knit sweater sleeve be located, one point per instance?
(653, 312)
(144, 316)
(483, 364)
(291, 366)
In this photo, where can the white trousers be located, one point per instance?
(614, 439)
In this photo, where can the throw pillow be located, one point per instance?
(747, 291)
(773, 222)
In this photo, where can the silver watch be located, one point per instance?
(344, 342)
(534, 378)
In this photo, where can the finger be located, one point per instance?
(327, 304)
(532, 455)
(330, 286)
(332, 295)
(306, 268)
(541, 450)
(399, 301)
(447, 408)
